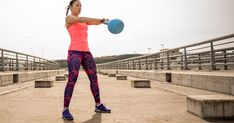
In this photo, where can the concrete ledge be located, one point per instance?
(140, 83)
(60, 78)
(43, 83)
(14, 77)
(6, 79)
(222, 82)
(211, 106)
(218, 83)
(111, 75)
(121, 77)
(105, 74)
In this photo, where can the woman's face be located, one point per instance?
(76, 7)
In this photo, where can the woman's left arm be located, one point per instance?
(93, 21)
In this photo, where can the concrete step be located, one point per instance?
(211, 106)
(60, 78)
(43, 83)
(111, 75)
(105, 74)
(121, 77)
(140, 83)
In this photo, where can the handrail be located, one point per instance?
(165, 59)
(16, 61)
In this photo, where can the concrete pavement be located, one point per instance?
(158, 104)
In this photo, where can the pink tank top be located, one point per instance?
(79, 37)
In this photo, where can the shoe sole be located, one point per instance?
(69, 119)
(100, 111)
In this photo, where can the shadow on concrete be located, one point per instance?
(97, 118)
(220, 120)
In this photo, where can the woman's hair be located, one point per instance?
(70, 5)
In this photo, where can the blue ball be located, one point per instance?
(115, 26)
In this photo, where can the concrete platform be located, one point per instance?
(217, 81)
(10, 78)
(6, 79)
(140, 83)
(211, 106)
(128, 105)
(111, 75)
(60, 78)
(43, 83)
(105, 74)
(121, 77)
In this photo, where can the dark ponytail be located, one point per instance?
(70, 5)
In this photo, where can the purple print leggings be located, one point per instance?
(75, 59)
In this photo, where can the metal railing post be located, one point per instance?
(168, 61)
(2, 60)
(26, 62)
(17, 62)
(146, 63)
(139, 63)
(199, 62)
(155, 63)
(212, 53)
(225, 60)
(185, 59)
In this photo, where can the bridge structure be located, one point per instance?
(213, 54)
(206, 65)
(189, 83)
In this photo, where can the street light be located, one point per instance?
(149, 50)
(162, 46)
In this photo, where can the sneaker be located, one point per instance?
(67, 115)
(102, 109)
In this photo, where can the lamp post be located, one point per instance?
(149, 50)
(162, 46)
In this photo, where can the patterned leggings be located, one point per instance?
(75, 59)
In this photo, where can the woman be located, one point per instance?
(79, 54)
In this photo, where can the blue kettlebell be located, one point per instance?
(115, 26)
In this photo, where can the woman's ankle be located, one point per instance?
(65, 108)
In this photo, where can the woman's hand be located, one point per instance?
(104, 21)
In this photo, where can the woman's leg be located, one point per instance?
(89, 66)
(74, 60)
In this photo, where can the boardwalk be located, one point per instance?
(158, 104)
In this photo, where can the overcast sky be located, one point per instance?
(36, 27)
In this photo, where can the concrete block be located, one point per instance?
(111, 75)
(211, 106)
(6, 79)
(105, 74)
(60, 78)
(43, 83)
(121, 77)
(140, 83)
